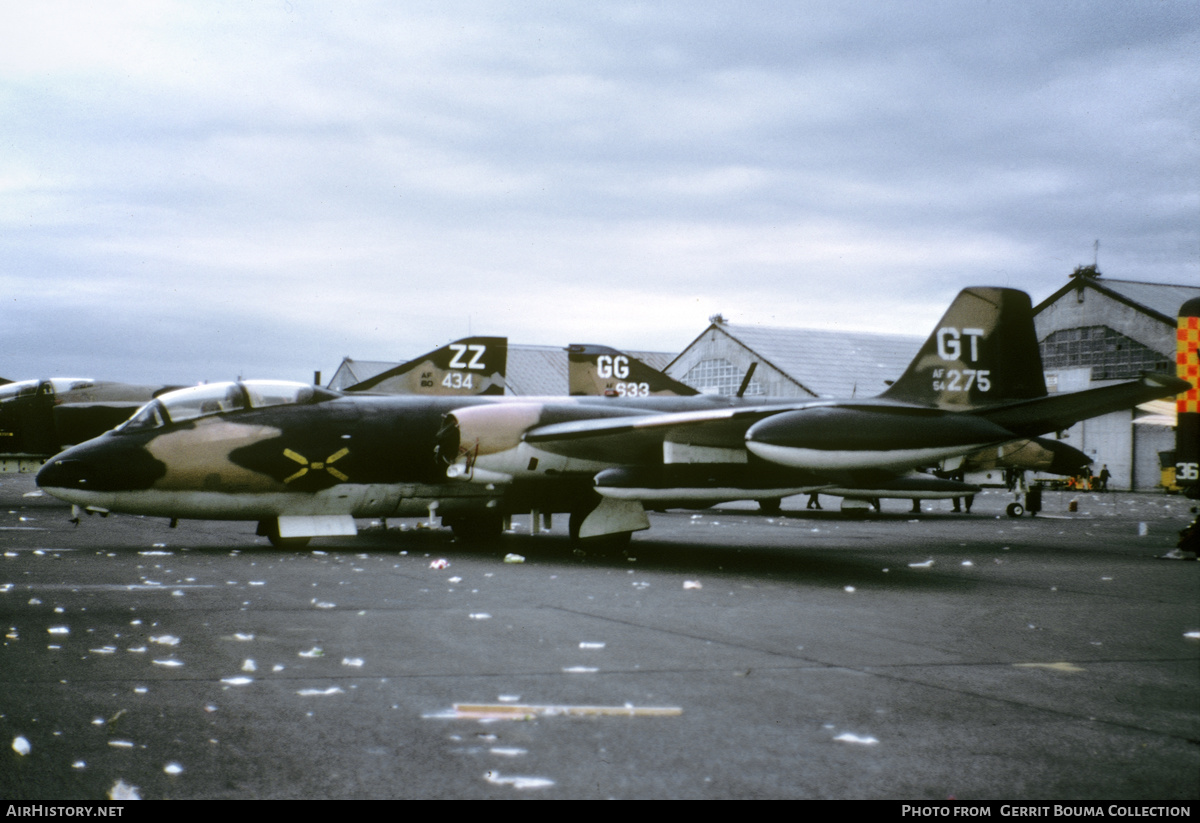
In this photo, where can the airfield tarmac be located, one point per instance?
(728, 654)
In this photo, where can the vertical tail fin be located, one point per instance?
(599, 370)
(471, 366)
(984, 351)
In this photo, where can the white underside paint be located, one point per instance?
(325, 525)
(516, 462)
(846, 460)
(700, 496)
(893, 494)
(614, 517)
(686, 453)
(345, 499)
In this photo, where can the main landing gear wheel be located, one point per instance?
(770, 505)
(270, 530)
(485, 528)
(1015, 510)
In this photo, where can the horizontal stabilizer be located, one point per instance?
(1057, 412)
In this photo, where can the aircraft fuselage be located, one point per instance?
(363, 456)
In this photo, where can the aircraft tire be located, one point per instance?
(481, 529)
(270, 530)
(1015, 510)
(770, 505)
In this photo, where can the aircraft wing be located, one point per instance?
(616, 439)
(1057, 412)
(817, 435)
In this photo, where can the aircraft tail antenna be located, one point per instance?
(746, 380)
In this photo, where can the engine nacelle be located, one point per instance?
(484, 444)
(834, 438)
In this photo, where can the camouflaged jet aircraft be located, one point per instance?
(600, 370)
(305, 461)
(40, 418)
(471, 366)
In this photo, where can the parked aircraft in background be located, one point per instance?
(599, 371)
(40, 418)
(471, 366)
(305, 461)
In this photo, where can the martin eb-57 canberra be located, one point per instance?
(304, 461)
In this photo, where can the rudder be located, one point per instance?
(983, 352)
(599, 370)
(471, 366)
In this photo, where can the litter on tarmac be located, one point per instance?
(513, 711)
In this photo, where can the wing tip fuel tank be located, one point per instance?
(836, 438)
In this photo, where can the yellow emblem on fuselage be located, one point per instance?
(316, 466)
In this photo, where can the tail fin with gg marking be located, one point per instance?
(598, 370)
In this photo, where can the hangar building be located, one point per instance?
(792, 362)
(1095, 331)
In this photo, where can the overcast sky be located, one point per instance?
(200, 191)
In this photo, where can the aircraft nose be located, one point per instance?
(63, 473)
(101, 465)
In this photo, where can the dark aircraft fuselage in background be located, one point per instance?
(39, 418)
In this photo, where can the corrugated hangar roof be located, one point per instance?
(1163, 299)
(353, 371)
(654, 359)
(535, 371)
(829, 363)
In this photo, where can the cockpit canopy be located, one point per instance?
(55, 385)
(218, 398)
